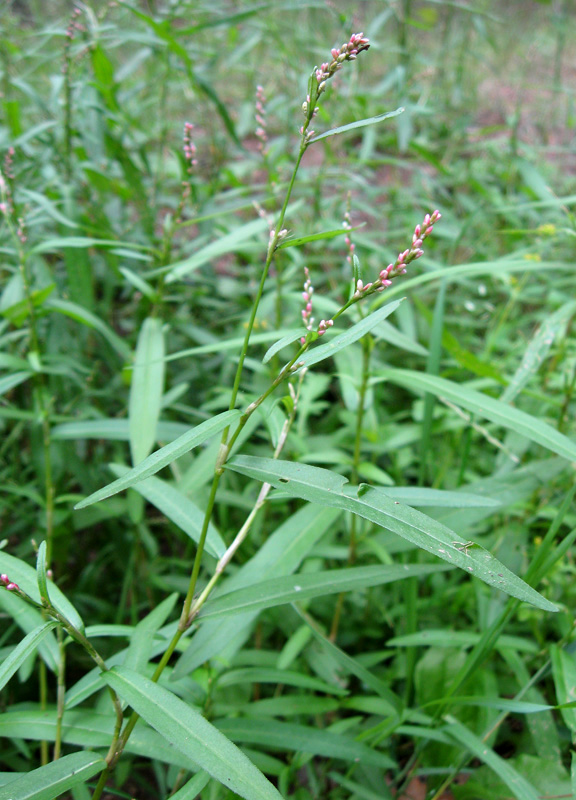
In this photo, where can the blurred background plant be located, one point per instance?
(118, 251)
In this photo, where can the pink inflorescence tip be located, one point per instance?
(189, 147)
(346, 52)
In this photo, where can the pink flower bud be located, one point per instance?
(417, 243)
(12, 587)
(418, 253)
(4, 579)
(417, 230)
(429, 230)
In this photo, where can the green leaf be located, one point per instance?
(357, 331)
(315, 237)
(187, 731)
(192, 788)
(178, 508)
(55, 778)
(85, 317)
(166, 455)
(538, 349)
(22, 650)
(438, 498)
(327, 488)
(25, 576)
(281, 554)
(564, 673)
(30, 619)
(87, 728)
(443, 637)
(519, 787)
(9, 382)
(354, 667)
(114, 429)
(146, 389)
(361, 123)
(282, 677)
(291, 337)
(142, 639)
(287, 736)
(280, 591)
(479, 403)
(226, 244)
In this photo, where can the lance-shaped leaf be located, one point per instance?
(479, 403)
(361, 123)
(22, 650)
(53, 779)
(317, 354)
(290, 588)
(328, 488)
(146, 389)
(161, 458)
(187, 731)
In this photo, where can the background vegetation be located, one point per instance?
(128, 275)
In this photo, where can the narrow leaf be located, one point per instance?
(26, 577)
(225, 244)
(361, 123)
(191, 734)
(287, 736)
(22, 650)
(55, 778)
(315, 237)
(280, 591)
(487, 407)
(357, 331)
(519, 787)
(178, 508)
(146, 389)
(327, 488)
(161, 458)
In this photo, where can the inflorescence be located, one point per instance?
(347, 52)
(421, 232)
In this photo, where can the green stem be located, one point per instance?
(60, 696)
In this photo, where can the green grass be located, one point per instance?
(327, 582)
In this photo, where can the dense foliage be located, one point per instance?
(287, 455)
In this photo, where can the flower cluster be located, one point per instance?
(421, 232)
(74, 26)
(8, 584)
(189, 147)
(307, 317)
(347, 225)
(261, 133)
(7, 202)
(347, 52)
